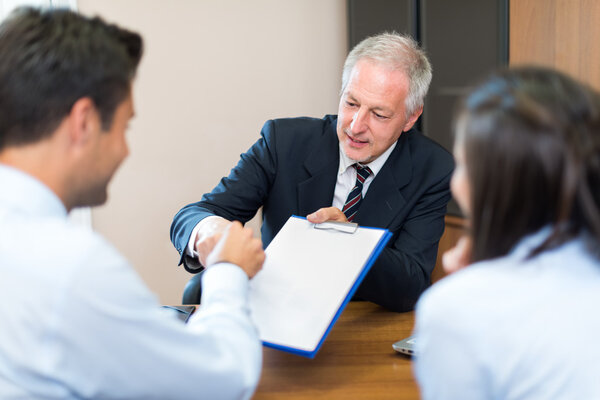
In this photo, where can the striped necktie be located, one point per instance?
(355, 196)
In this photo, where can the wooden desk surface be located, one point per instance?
(355, 362)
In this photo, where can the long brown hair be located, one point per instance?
(531, 141)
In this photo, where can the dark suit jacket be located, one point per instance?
(292, 169)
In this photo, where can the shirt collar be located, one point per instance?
(526, 245)
(21, 191)
(374, 165)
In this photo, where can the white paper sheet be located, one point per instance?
(306, 277)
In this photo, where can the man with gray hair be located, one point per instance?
(366, 165)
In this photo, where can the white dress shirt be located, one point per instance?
(77, 322)
(512, 328)
(346, 180)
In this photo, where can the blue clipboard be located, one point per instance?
(375, 252)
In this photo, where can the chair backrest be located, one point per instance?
(193, 290)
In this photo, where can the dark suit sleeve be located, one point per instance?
(236, 198)
(403, 270)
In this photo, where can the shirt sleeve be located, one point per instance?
(209, 225)
(189, 250)
(112, 339)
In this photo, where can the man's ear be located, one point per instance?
(84, 121)
(412, 119)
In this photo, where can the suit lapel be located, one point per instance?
(321, 165)
(384, 199)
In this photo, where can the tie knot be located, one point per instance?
(362, 172)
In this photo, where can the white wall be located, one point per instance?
(213, 73)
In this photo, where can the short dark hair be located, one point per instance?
(51, 58)
(531, 141)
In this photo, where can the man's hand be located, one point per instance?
(237, 246)
(210, 232)
(205, 244)
(326, 214)
(459, 256)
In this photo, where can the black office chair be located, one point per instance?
(193, 290)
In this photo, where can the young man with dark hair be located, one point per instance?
(77, 322)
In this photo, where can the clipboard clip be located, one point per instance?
(345, 227)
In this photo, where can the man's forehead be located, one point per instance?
(383, 101)
(374, 104)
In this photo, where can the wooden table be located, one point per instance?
(355, 362)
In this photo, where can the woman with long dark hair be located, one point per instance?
(522, 320)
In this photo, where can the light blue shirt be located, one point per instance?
(77, 322)
(512, 328)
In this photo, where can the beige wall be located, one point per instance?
(213, 72)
